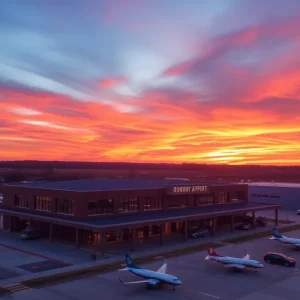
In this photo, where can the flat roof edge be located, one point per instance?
(86, 225)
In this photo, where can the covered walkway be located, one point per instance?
(134, 221)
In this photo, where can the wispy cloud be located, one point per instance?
(151, 81)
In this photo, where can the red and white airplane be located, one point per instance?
(233, 262)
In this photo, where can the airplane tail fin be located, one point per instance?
(276, 233)
(129, 262)
(212, 252)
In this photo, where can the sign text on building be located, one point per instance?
(190, 189)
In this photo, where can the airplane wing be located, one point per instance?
(163, 268)
(247, 256)
(150, 281)
(235, 266)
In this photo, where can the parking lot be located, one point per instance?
(201, 279)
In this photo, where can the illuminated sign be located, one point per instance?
(190, 189)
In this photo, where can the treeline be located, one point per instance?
(16, 171)
(138, 166)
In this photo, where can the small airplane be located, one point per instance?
(285, 240)
(151, 278)
(232, 262)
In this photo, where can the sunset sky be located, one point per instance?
(214, 81)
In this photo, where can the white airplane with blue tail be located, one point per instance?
(285, 240)
(151, 278)
(234, 262)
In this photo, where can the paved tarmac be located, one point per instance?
(201, 279)
(38, 256)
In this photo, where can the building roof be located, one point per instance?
(142, 219)
(275, 184)
(85, 185)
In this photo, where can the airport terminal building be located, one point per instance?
(287, 195)
(104, 210)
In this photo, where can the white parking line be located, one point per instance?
(209, 295)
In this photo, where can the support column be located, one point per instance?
(77, 238)
(276, 217)
(102, 238)
(161, 240)
(253, 215)
(10, 225)
(29, 223)
(232, 223)
(214, 221)
(133, 238)
(51, 232)
(185, 230)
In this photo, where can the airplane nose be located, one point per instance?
(179, 282)
(260, 265)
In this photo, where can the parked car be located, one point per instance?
(259, 221)
(199, 233)
(244, 226)
(30, 234)
(279, 259)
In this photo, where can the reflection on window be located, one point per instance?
(239, 196)
(152, 203)
(222, 197)
(64, 206)
(22, 200)
(129, 204)
(99, 207)
(201, 200)
(43, 203)
(176, 202)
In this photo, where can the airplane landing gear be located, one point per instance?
(173, 289)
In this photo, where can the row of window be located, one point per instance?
(100, 207)
(175, 202)
(151, 203)
(43, 203)
(22, 201)
(64, 206)
(203, 200)
(106, 206)
(128, 204)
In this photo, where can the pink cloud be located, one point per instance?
(112, 82)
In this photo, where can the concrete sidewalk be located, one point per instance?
(45, 249)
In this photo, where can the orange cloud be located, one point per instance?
(165, 131)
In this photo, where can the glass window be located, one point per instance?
(152, 203)
(175, 201)
(99, 207)
(241, 195)
(222, 197)
(43, 203)
(64, 206)
(22, 200)
(201, 200)
(129, 204)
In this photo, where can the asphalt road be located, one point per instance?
(201, 279)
